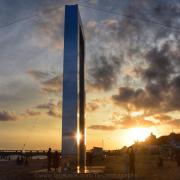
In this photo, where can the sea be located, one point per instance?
(14, 157)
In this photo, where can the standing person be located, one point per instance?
(160, 161)
(49, 158)
(26, 161)
(56, 160)
(178, 158)
(131, 161)
(125, 162)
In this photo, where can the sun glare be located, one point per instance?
(139, 134)
(78, 137)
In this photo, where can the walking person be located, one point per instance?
(125, 163)
(56, 160)
(49, 158)
(131, 161)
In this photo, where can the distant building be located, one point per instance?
(165, 145)
(97, 152)
(172, 139)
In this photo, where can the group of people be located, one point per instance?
(53, 160)
(129, 161)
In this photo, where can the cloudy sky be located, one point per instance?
(132, 71)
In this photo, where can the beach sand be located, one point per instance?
(146, 169)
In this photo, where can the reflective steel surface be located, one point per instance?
(73, 107)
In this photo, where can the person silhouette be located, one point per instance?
(56, 160)
(131, 161)
(49, 158)
(26, 161)
(160, 161)
(125, 162)
(178, 157)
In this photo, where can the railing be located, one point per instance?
(24, 152)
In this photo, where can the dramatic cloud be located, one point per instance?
(48, 84)
(159, 66)
(126, 94)
(104, 72)
(52, 109)
(134, 37)
(143, 17)
(130, 122)
(162, 83)
(137, 32)
(7, 116)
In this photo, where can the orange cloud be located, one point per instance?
(102, 127)
(129, 122)
(32, 112)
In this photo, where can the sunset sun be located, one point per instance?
(138, 133)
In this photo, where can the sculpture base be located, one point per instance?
(91, 169)
(69, 163)
(86, 170)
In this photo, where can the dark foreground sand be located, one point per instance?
(146, 169)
